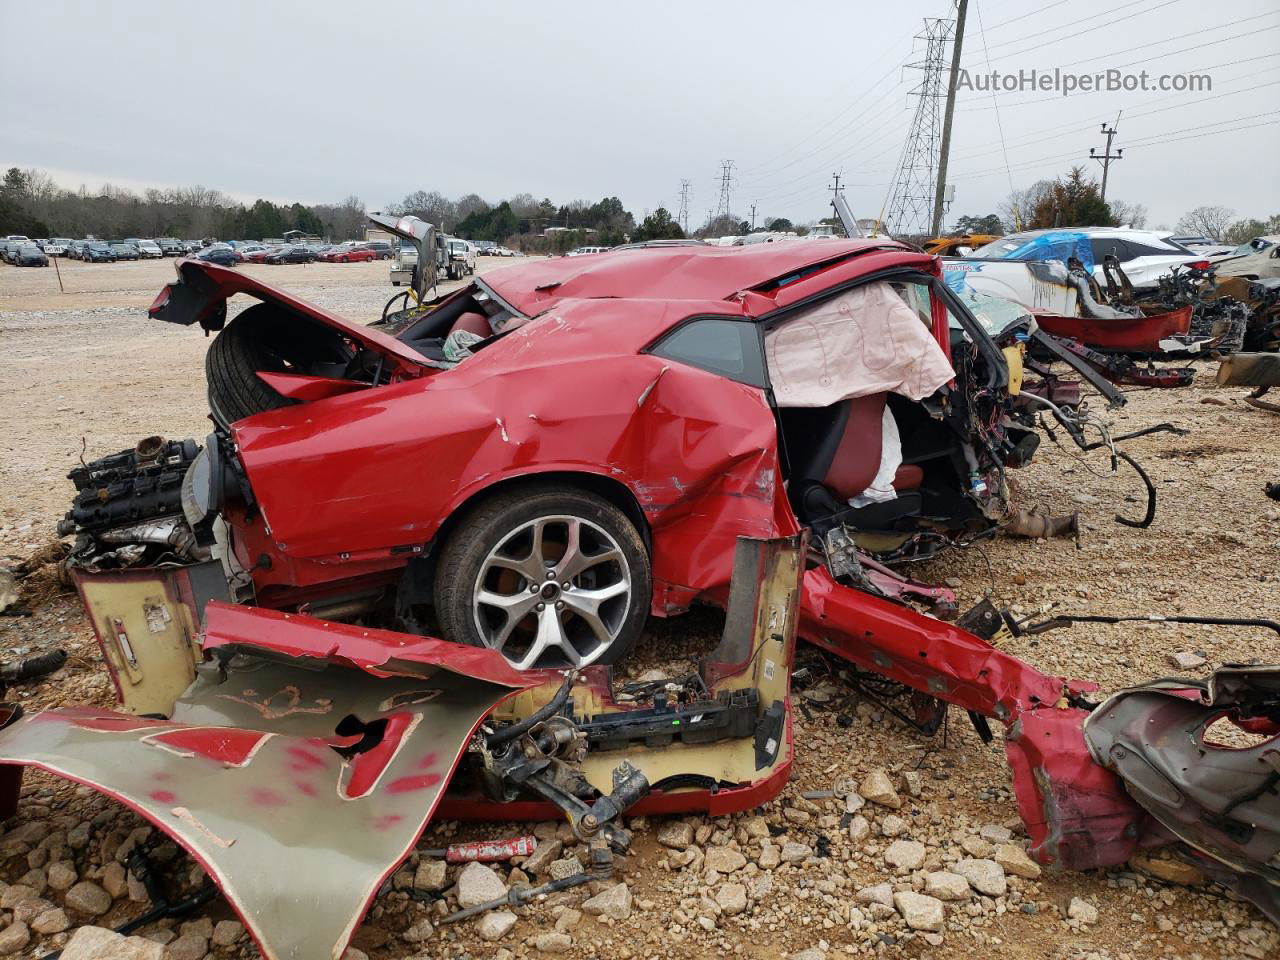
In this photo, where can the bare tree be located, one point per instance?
(1128, 214)
(1015, 209)
(470, 203)
(1212, 222)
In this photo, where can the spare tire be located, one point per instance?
(266, 338)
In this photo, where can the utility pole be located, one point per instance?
(683, 218)
(835, 187)
(941, 189)
(1107, 156)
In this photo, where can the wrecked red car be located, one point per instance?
(528, 468)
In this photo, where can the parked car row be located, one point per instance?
(22, 252)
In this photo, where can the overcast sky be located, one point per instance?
(317, 100)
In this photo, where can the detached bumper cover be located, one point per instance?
(1218, 793)
(299, 788)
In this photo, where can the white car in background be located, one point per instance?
(1257, 259)
(1145, 255)
(149, 249)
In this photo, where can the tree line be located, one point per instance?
(31, 203)
(1075, 200)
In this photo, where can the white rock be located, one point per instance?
(985, 876)
(614, 902)
(96, 943)
(995, 833)
(495, 924)
(859, 829)
(552, 942)
(479, 884)
(732, 898)
(893, 826)
(1186, 660)
(724, 860)
(675, 834)
(920, 912)
(431, 875)
(795, 852)
(905, 854)
(1082, 910)
(946, 885)
(880, 893)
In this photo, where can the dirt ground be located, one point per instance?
(85, 373)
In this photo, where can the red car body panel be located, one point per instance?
(1136, 334)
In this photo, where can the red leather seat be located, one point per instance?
(473, 322)
(857, 456)
(908, 477)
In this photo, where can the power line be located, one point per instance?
(1108, 23)
(1143, 142)
(1072, 23)
(1032, 141)
(1034, 13)
(1183, 36)
(1004, 149)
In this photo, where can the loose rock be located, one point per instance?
(947, 886)
(88, 898)
(479, 884)
(905, 854)
(675, 834)
(919, 911)
(732, 898)
(878, 788)
(985, 876)
(495, 924)
(1082, 910)
(1013, 859)
(614, 902)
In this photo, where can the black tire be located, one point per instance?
(265, 338)
(466, 558)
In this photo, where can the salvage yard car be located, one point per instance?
(1257, 259)
(294, 253)
(97, 251)
(529, 467)
(29, 255)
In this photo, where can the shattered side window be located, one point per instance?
(730, 348)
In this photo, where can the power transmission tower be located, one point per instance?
(915, 181)
(683, 218)
(1107, 156)
(753, 214)
(939, 193)
(726, 188)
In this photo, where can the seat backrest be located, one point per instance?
(837, 446)
(855, 459)
(473, 322)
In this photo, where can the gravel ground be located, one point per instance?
(89, 364)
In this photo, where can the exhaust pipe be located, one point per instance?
(1024, 523)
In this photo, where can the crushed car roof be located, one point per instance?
(670, 273)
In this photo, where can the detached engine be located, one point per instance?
(128, 507)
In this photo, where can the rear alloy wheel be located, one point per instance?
(551, 578)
